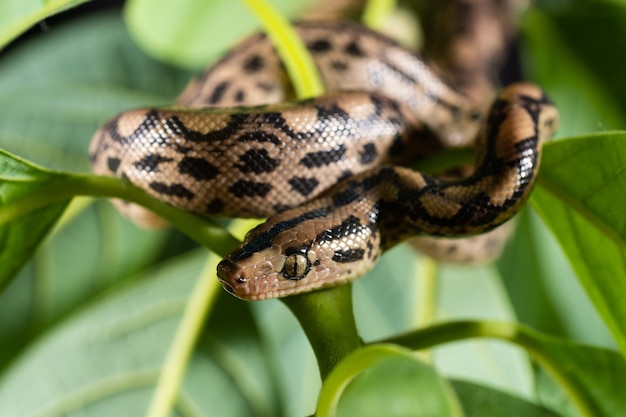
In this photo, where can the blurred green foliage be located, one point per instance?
(86, 325)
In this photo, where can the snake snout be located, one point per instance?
(226, 269)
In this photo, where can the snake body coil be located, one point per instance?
(259, 161)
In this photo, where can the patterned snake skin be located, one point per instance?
(321, 167)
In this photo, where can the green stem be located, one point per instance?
(510, 332)
(376, 11)
(66, 186)
(178, 355)
(298, 62)
(327, 319)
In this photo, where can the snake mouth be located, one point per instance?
(229, 288)
(225, 270)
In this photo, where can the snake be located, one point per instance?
(327, 171)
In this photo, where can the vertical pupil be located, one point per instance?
(294, 266)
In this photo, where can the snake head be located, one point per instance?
(298, 251)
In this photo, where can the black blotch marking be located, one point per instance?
(198, 168)
(215, 206)
(351, 226)
(345, 174)
(257, 161)
(151, 162)
(320, 45)
(265, 86)
(346, 197)
(332, 112)
(303, 185)
(299, 249)
(378, 105)
(151, 120)
(261, 137)
(253, 64)
(354, 49)
(179, 128)
(240, 96)
(264, 240)
(397, 146)
(405, 76)
(218, 92)
(281, 207)
(370, 248)
(243, 188)
(368, 154)
(355, 189)
(113, 164)
(176, 189)
(340, 66)
(321, 158)
(317, 262)
(348, 255)
(182, 149)
(463, 27)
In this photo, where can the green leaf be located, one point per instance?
(597, 375)
(479, 401)
(477, 292)
(581, 199)
(109, 355)
(550, 58)
(17, 16)
(525, 268)
(386, 380)
(591, 378)
(18, 239)
(593, 30)
(56, 89)
(535, 268)
(194, 32)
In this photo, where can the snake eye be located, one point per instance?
(297, 265)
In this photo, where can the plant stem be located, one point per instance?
(66, 186)
(298, 63)
(327, 319)
(376, 11)
(195, 315)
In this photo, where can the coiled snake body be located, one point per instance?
(314, 165)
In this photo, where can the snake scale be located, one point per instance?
(324, 169)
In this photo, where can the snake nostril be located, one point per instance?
(224, 269)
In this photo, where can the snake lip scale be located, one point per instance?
(323, 169)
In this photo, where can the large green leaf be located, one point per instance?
(587, 103)
(16, 16)
(55, 90)
(581, 198)
(543, 287)
(19, 238)
(194, 32)
(108, 356)
(58, 88)
(590, 378)
(477, 292)
(479, 401)
(596, 375)
(386, 380)
(593, 30)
